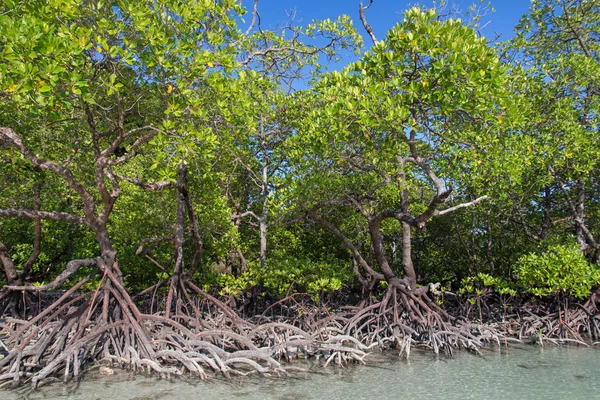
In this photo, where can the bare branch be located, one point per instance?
(72, 267)
(9, 266)
(526, 228)
(134, 149)
(398, 215)
(245, 214)
(254, 17)
(575, 31)
(142, 250)
(152, 186)
(35, 214)
(360, 208)
(116, 191)
(252, 174)
(260, 53)
(355, 253)
(10, 138)
(420, 162)
(153, 261)
(110, 150)
(459, 206)
(363, 19)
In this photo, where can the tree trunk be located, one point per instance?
(10, 271)
(381, 259)
(265, 199)
(179, 230)
(407, 263)
(546, 219)
(580, 207)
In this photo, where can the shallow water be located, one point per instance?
(517, 373)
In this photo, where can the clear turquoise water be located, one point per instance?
(517, 373)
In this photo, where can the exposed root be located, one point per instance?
(568, 325)
(199, 335)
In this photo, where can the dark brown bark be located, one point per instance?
(174, 290)
(11, 139)
(9, 267)
(196, 234)
(379, 250)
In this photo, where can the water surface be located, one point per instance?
(517, 373)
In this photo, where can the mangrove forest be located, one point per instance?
(188, 190)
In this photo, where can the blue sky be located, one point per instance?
(383, 14)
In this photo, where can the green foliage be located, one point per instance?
(430, 84)
(431, 87)
(288, 276)
(232, 285)
(558, 49)
(560, 268)
(475, 285)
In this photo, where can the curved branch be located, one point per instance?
(459, 206)
(35, 214)
(10, 138)
(152, 186)
(134, 149)
(254, 17)
(432, 210)
(6, 261)
(355, 253)
(143, 250)
(110, 150)
(245, 214)
(72, 267)
(363, 19)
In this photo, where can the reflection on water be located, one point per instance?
(516, 373)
